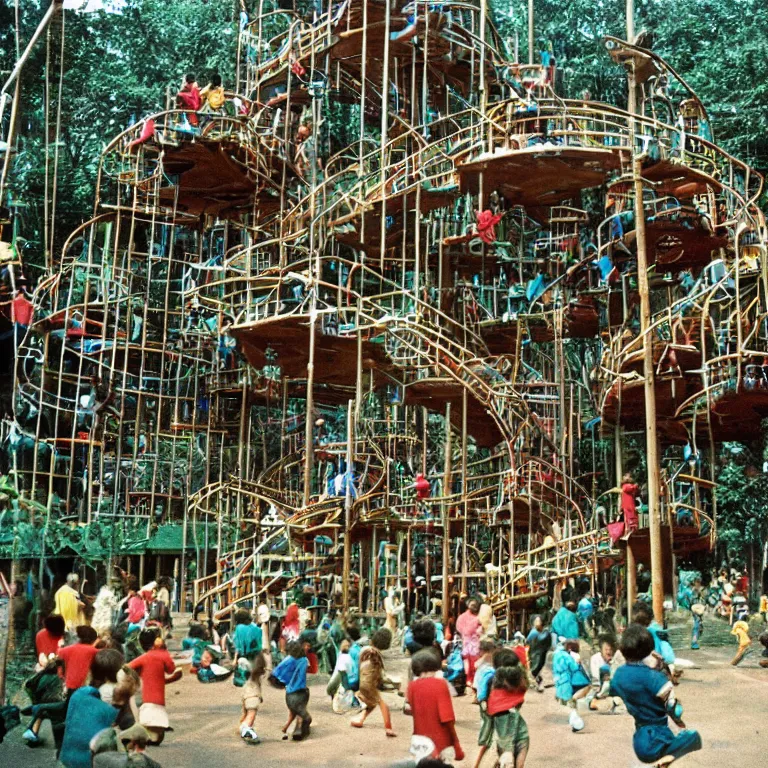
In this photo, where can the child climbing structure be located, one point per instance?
(377, 322)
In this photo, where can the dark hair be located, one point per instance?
(105, 666)
(571, 645)
(509, 678)
(606, 640)
(425, 660)
(381, 639)
(86, 634)
(354, 632)
(197, 631)
(147, 638)
(190, 78)
(55, 624)
(243, 616)
(216, 80)
(295, 649)
(571, 606)
(636, 643)
(424, 632)
(487, 645)
(505, 657)
(641, 614)
(258, 667)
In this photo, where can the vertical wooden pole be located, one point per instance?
(446, 514)
(465, 395)
(530, 32)
(652, 446)
(309, 451)
(348, 512)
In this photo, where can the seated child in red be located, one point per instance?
(431, 706)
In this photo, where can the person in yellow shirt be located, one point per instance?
(741, 630)
(68, 604)
(213, 96)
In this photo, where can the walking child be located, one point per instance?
(650, 698)
(434, 722)
(252, 699)
(371, 677)
(741, 630)
(291, 672)
(504, 703)
(484, 674)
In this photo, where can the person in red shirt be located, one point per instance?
(77, 658)
(49, 638)
(629, 491)
(137, 608)
(153, 666)
(189, 98)
(504, 703)
(434, 723)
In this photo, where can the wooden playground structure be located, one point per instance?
(386, 321)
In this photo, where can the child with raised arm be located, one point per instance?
(434, 722)
(156, 668)
(650, 699)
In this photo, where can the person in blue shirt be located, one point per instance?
(87, 714)
(353, 676)
(566, 623)
(571, 680)
(586, 610)
(650, 699)
(484, 674)
(292, 673)
(539, 641)
(247, 636)
(641, 614)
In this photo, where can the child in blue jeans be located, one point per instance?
(649, 697)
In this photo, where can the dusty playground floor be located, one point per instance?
(728, 706)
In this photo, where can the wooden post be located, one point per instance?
(530, 32)
(464, 404)
(446, 515)
(309, 451)
(348, 513)
(652, 446)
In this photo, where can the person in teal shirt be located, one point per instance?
(566, 623)
(247, 636)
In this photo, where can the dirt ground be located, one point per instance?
(728, 706)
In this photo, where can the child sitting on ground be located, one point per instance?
(434, 722)
(291, 673)
(371, 678)
(504, 702)
(600, 669)
(650, 699)
(196, 641)
(252, 698)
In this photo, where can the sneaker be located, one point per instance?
(31, 737)
(576, 722)
(604, 689)
(249, 735)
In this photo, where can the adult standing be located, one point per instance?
(68, 604)
(469, 627)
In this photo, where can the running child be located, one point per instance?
(650, 699)
(571, 680)
(484, 673)
(371, 677)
